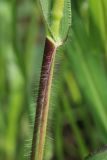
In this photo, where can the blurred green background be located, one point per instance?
(78, 114)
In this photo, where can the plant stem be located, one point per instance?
(42, 108)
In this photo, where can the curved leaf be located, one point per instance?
(101, 155)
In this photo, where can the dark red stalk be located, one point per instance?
(42, 100)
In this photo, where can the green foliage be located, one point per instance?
(100, 155)
(100, 17)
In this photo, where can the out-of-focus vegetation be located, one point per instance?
(79, 123)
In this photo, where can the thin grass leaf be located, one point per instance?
(69, 114)
(89, 71)
(99, 12)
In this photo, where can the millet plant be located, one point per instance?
(57, 18)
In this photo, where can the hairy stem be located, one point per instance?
(42, 108)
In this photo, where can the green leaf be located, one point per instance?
(98, 11)
(101, 155)
(90, 72)
(57, 16)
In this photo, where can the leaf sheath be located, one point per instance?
(42, 108)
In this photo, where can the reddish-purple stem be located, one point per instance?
(42, 94)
